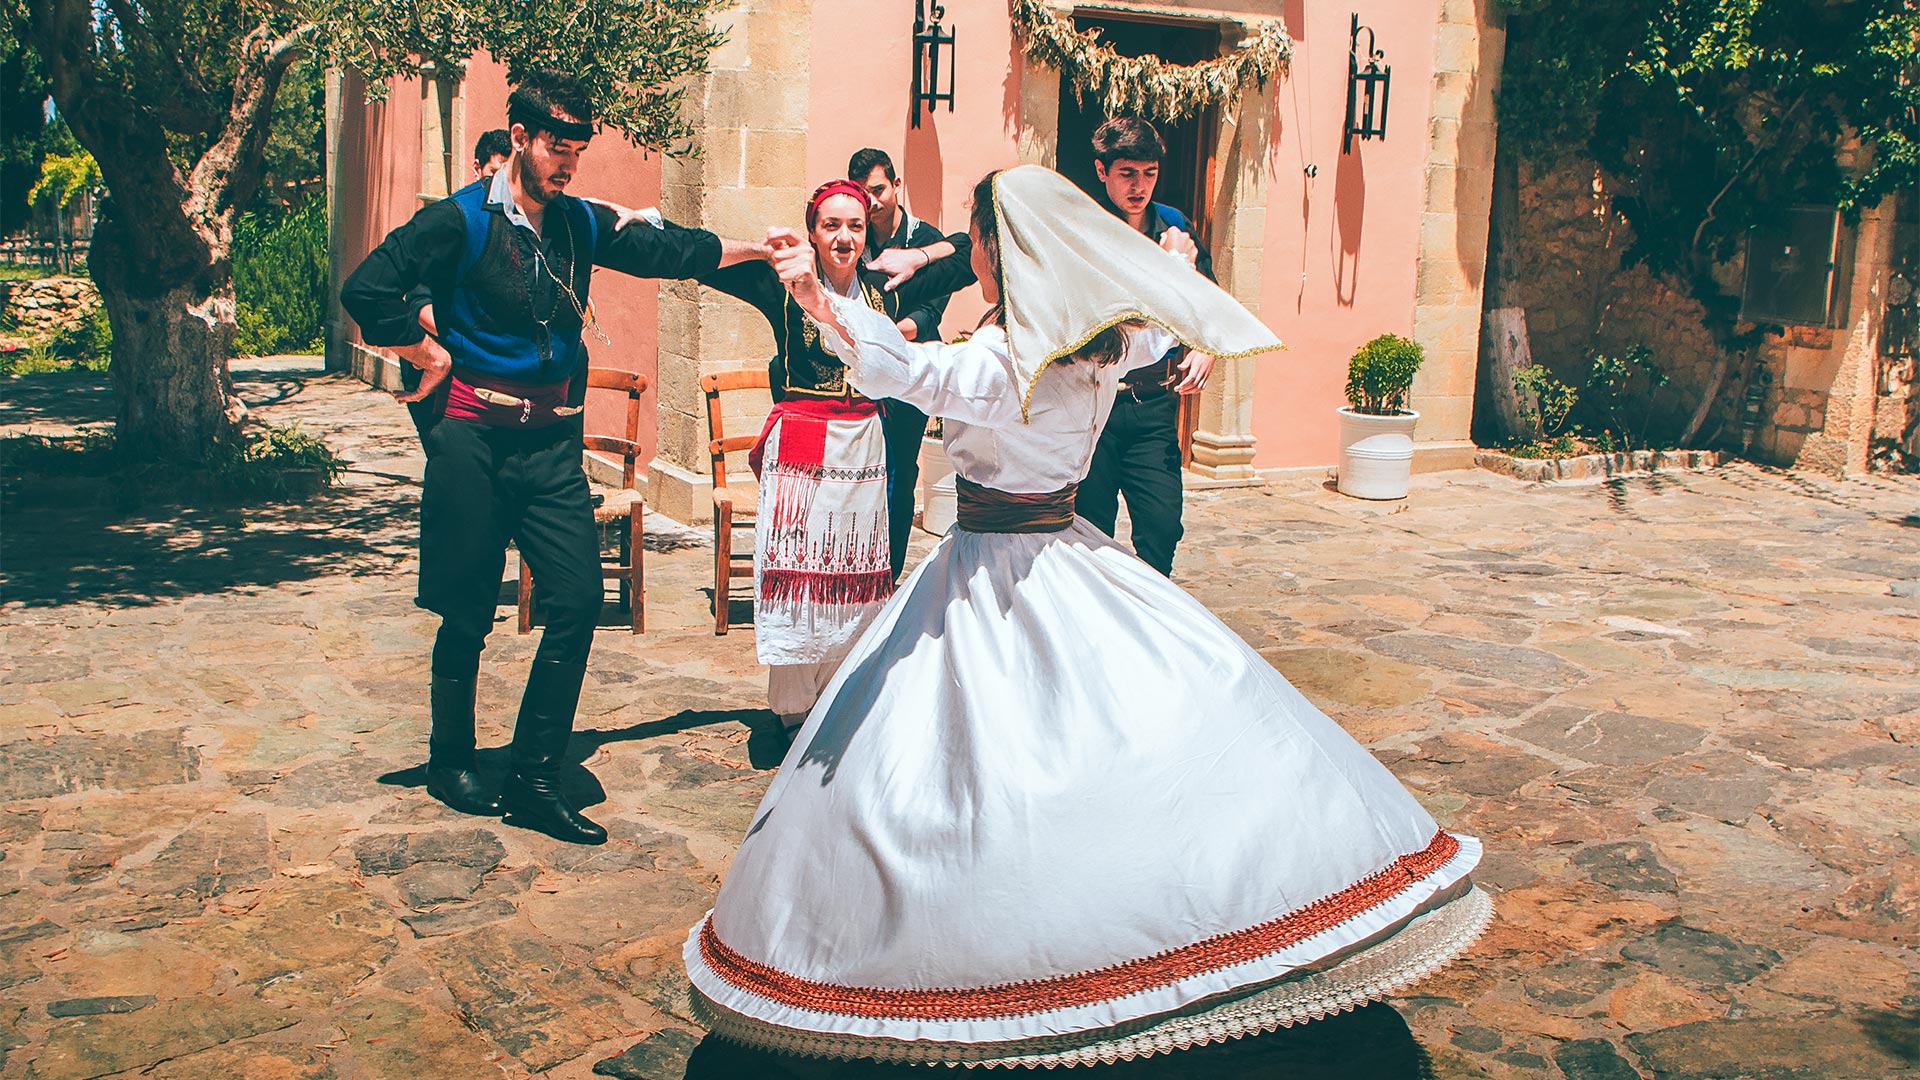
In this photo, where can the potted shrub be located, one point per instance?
(1376, 427)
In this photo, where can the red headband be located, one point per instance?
(836, 187)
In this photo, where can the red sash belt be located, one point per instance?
(495, 402)
(803, 436)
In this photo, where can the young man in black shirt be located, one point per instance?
(505, 266)
(1139, 452)
(891, 228)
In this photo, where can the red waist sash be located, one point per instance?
(803, 437)
(494, 402)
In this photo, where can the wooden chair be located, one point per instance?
(622, 504)
(727, 564)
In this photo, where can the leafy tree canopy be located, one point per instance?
(1718, 111)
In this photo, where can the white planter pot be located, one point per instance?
(938, 501)
(1376, 454)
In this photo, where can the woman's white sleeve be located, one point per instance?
(965, 382)
(1146, 345)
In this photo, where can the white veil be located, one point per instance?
(1071, 269)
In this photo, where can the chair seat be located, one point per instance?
(615, 504)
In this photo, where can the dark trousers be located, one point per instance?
(903, 426)
(486, 486)
(1139, 456)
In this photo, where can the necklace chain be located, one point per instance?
(588, 322)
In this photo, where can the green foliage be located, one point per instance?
(1380, 374)
(1545, 402)
(1616, 385)
(82, 346)
(1563, 446)
(296, 142)
(280, 281)
(1712, 113)
(64, 178)
(267, 461)
(26, 135)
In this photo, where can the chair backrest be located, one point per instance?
(633, 385)
(719, 443)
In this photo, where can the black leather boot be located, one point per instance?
(532, 794)
(450, 774)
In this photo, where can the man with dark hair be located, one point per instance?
(891, 228)
(490, 153)
(506, 264)
(1139, 452)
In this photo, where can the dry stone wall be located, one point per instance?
(39, 308)
(1580, 299)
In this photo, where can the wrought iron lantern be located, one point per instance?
(1368, 81)
(932, 51)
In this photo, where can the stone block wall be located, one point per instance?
(1579, 300)
(1453, 223)
(751, 109)
(49, 305)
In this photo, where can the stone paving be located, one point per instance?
(1680, 711)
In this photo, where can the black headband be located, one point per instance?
(523, 111)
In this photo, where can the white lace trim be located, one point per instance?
(1424, 945)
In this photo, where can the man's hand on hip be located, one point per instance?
(431, 358)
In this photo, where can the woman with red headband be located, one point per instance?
(820, 561)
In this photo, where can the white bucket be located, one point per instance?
(1376, 454)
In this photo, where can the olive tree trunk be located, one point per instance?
(171, 345)
(161, 250)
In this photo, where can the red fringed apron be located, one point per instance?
(820, 570)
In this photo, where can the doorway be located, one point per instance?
(1186, 173)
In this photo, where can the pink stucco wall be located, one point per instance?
(380, 189)
(859, 96)
(1341, 247)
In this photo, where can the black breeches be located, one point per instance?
(1138, 456)
(903, 426)
(486, 486)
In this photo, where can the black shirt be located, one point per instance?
(427, 251)
(801, 364)
(1152, 225)
(914, 233)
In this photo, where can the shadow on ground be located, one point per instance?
(1372, 1043)
(73, 553)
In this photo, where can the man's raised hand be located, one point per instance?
(793, 261)
(1179, 243)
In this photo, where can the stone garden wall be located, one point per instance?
(1580, 300)
(1820, 405)
(42, 307)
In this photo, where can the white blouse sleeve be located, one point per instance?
(1146, 346)
(967, 382)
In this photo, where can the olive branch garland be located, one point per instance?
(1147, 86)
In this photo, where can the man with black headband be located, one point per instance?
(506, 264)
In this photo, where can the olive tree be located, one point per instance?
(174, 98)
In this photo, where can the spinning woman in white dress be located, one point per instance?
(1051, 810)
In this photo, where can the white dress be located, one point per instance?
(1051, 810)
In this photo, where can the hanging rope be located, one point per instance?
(1147, 86)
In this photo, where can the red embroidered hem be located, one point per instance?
(1085, 988)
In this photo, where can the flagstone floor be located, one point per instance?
(1681, 711)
